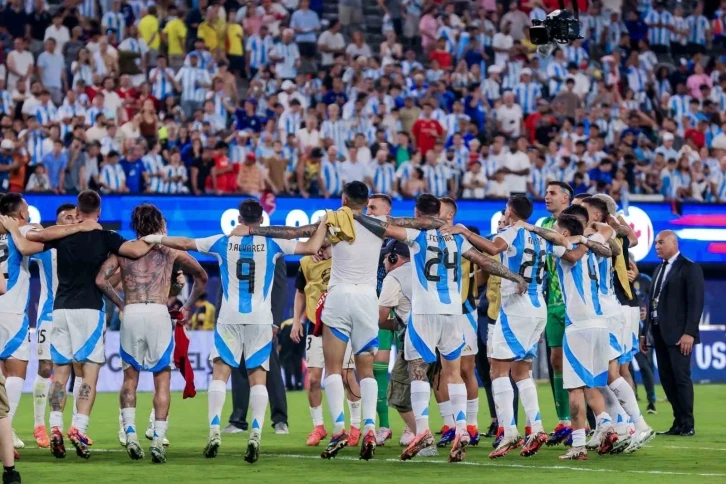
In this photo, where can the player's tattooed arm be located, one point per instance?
(547, 234)
(614, 248)
(623, 229)
(60, 231)
(417, 370)
(492, 267)
(108, 269)
(190, 266)
(598, 248)
(276, 231)
(481, 243)
(179, 243)
(418, 223)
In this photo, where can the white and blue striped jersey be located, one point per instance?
(6, 102)
(116, 21)
(637, 78)
(575, 54)
(247, 268)
(330, 172)
(698, 27)
(527, 95)
(339, 131)
(154, 164)
(34, 144)
(579, 284)
(437, 179)
(436, 264)
(91, 115)
(190, 79)
(403, 174)
(383, 177)
(46, 114)
(659, 35)
(180, 186)
(289, 123)
(17, 296)
(538, 179)
(48, 271)
(556, 70)
(88, 9)
(525, 255)
(606, 285)
(679, 35)
(137, 46)
(450, 123)
(113, 176)
(259, 50)
(206, 61)
(678, 104)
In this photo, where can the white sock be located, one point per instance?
(128, 420)
(56, 420)
(216, 393)
(14, 389)
(258, 406)
(420, 397)
(368, 400)
(77, 382)
(457, 397)
(528, 397)
(80, 422)
(578, 438)
(120, 420)
(504, 402)
(335, 394)
(40, 399)
(316, 413)
(446, 415)
(472, 411)
(160, 428)
(604, 422)
(152, 417)
(626, 397)
(614, 409)
(354, 412)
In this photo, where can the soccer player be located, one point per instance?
(435, 315)
(351, 309)
(147, 332)
(244, 326)
(312, 281)
(557, 198)
(78, 315)
(619, 395)
(522, 319)
(469, 328)
(586, 339)
(47, 267)
(380, 204)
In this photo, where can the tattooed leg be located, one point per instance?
(87, 393)
(417, 370)
(162, 398)
(57, 391)
(127, 397)
(577, 408)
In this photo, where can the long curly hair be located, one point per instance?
(146, 219)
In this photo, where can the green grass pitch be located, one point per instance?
(285, 458)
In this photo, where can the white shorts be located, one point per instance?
(626, 339)
(585, 352)
(428, 332)
(254, 341)
(14, 336)
(351, 312)
(147, 337)
(490, 335)
(314, 354)
(42, 339)
(78, 335)
(518, 329)
(635, 328)
(516, 337)
(616, 323)
(469, 327)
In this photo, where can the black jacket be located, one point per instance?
(680, 304)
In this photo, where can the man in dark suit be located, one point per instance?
(676, 305)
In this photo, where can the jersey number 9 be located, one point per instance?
(536, 265)
(440, 257)
(249, 276)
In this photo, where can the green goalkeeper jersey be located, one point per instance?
(554, 293)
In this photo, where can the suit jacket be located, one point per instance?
(680, 304)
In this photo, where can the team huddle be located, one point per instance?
(365, 278)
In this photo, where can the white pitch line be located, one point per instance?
(715, 449)
(475, 464)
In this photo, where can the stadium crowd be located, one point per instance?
(132, 96)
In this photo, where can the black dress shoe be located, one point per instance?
(688, 432)
(671, 431)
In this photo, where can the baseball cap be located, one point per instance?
(396, 247)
